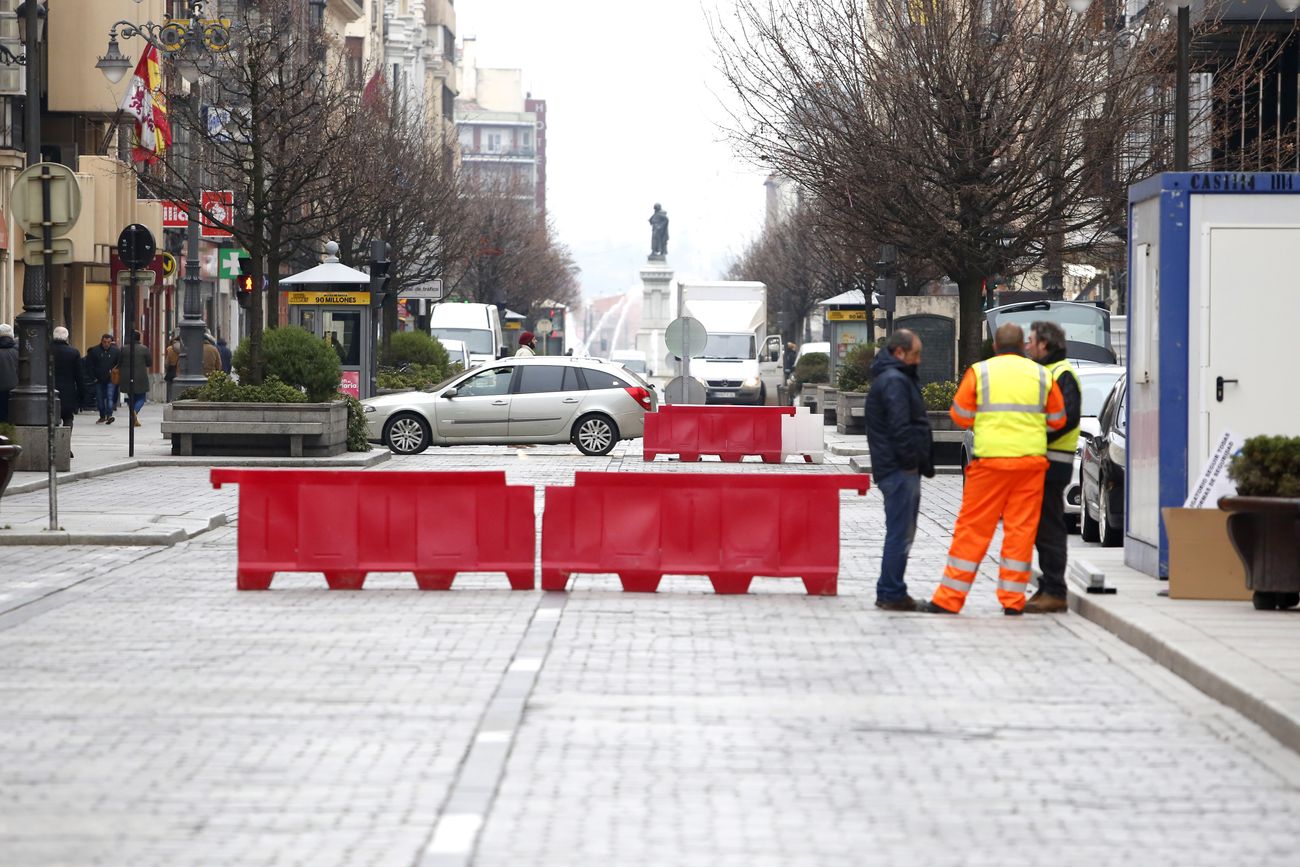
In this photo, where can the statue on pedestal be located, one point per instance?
(658, 233)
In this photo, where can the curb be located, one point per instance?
(1259, 711)
(862, 464)
(165, 536)
(370, 459)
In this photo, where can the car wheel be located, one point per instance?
(1111, 536)
(407, 434)
(1088, 529)
(595, 435)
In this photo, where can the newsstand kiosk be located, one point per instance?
(332, 301)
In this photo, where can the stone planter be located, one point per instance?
(8, 457)
(1265, 531)
(257, 429)
(808, 397)
(34, 442)
(851, 412)
(828, 403)
(940, 420)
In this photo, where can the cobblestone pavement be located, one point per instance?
(150, 715)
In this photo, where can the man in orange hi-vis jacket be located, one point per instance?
(1012, 402)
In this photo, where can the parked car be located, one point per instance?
(1101, 476)
(1096, 382)
(631, 359)
(548, 399)
(457, 352)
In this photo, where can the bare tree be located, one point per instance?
(980, 136)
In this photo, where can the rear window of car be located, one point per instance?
(573, 380)
(540, 378)
(597, 379)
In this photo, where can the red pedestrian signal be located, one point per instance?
(244, 283)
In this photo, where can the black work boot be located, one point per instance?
(931, 608)
(907, 603)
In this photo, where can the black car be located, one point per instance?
(1101, 473)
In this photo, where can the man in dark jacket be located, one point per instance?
(102, 359)
(788, 359)
(8, 368)
(69, 375)
(899, 437)
(1046, 345)
(227, 357)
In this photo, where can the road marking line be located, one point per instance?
(500, 737)
(454, 834)
(528, 664)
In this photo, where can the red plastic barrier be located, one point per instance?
(730, 432)
(347, 523)
(729, 527)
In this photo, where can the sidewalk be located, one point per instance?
(1249, 660)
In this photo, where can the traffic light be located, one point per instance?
(380, 278)
(244, 283)
(887, 278)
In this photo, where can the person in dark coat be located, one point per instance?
(227, 357)
(69, 376)
(102, 359)
(135, 377)
(788, 358)
(8, 368)
(900, 442)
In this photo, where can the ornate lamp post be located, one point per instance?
(190, 44)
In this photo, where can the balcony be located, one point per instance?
(504, 154)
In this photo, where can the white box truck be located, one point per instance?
(478, 325)
(740, 363)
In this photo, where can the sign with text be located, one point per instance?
(351, 383)
(846, 315)
(345, 298)
(1214, 481)
(221, 205)
(174, 215)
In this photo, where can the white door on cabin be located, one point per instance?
(1250, 361)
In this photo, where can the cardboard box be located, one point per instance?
(1202, 562)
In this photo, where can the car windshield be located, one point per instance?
(479, 340)
(1095, 387)
(729, 346)
(1082, 323)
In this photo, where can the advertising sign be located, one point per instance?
(315, 297)
(351, 383)
(221, 205)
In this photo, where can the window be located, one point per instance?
(494, 142)
(342, 331)
(490, 383)
(541, 378)
(1121, 412)
(573, 380)
(354, 47)
(597, 379)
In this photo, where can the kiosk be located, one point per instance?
(332, 301)
(1214, 301)
(848, 323)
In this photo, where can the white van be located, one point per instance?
(478, 325)
(631, 359)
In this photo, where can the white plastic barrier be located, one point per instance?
(803, 435)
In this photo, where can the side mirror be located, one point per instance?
(449, 393)
(503, 353)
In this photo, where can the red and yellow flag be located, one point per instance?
(146, 103)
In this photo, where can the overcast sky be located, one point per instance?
(632, 119)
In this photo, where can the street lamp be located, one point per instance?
(29, 401)
(190, 44)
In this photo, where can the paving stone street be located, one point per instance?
(152, 715)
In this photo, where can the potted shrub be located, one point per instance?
(853, 382)
(297, 409)
(412, 360)
(812, 369)
(938, 400)
(1264, 518)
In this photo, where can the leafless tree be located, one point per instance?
(980, 136)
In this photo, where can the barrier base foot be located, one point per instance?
(731, 457)
(689, 457)
(345, 580)
(554, 580)
(821, 585)
(247, 579)
(730, 583)
(649, 456)
(771, 457)
(639, 582)
(521, 579)
(434, 580)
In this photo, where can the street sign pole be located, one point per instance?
(136, 248)
(47, 250)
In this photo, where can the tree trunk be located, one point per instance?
(255, 315)
(970, 327)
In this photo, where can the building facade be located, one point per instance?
(501, 130)
(419, 62)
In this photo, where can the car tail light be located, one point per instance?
(641, 396)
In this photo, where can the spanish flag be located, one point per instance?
(145, 102)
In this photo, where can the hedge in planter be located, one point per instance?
(1267, 467)
(298, 358)
(412, 359)
(813, 368)
(938, 396)
(855, 370)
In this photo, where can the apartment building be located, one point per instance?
(501, 129)
(420, 58)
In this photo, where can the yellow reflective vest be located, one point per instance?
(1011, 406)
(1061, 448)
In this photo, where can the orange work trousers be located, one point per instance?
(1006, 489)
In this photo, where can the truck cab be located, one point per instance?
(739, 363)
(477, 325)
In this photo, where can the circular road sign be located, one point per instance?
(544, 327)
(686, 337)
(685, 390)
(26, 199)
(135, 246)
(169, 264)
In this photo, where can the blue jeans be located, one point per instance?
(104, 398)
(902, 491)
(137, 402)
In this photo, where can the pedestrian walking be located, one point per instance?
(211, 355)
(1046, 345)
(135, 377)
(227, 357)
(527, 345)
(900, 441)
(101, 361)
(70, 377)
(8, 368)
(787, 359)
(1012, 403)
(171, 362)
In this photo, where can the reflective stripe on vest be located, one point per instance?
(1011, 400)
(1064, 445)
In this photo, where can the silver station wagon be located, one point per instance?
(590, 403)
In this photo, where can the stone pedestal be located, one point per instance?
(657, 310)
(35, 456)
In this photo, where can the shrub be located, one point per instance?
(1267, 467)
(220, 388)
(356, 424)
(7, 430)
(413, 348)
(938, 395)
(417, 376)
(812, 368)
(855, 369)
(297, 357)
